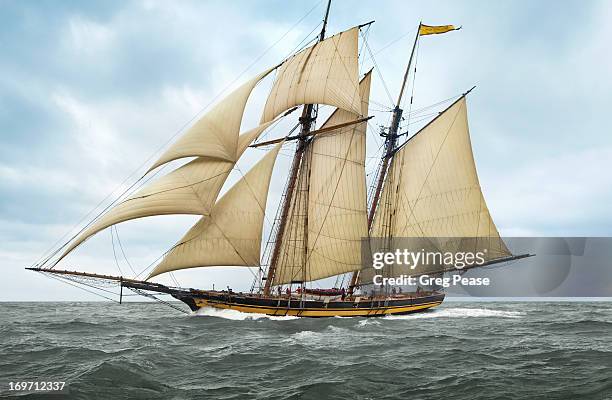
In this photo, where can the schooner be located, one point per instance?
(425, 187)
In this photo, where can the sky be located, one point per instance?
(91, 91)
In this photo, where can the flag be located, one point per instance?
(434, 30)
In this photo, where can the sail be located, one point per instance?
(337, 206)
(334, 193)
(231, 235)
(326, 73)
(190, 189)
(214, 135)
(432, 191)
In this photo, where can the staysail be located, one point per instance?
(432, 191)
(231, 235)
(214, 135)
(326, 73)
(331, 189)
(192, 188)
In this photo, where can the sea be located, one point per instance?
(460, 350)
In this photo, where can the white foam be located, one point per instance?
(330, 336)
(236, 315)
(366, 322)
(305, 335)
(459, 313)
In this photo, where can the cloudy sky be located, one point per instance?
(91, 90)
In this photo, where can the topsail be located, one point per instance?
(326, 73)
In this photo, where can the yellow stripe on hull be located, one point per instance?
(318, 312)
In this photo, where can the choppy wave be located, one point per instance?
(458, 350)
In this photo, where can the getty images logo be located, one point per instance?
(413, 259)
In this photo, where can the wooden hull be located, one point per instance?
(405, 303)
(281, 306)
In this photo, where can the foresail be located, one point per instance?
(215, 135)
(190, 189)
(331, 190)
(337, 214)
(231, 235)
(326, 73)
(432, 191)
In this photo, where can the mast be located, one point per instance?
(306, 120)
(390, 144)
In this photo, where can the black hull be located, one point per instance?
(283, 306)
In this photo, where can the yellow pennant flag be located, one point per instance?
(434, 30)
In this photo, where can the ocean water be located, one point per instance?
(459, 351)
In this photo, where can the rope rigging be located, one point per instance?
(410, 117)
(49, 254)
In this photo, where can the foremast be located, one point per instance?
(306, 120)
(390, 146)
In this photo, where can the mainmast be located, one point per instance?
(389, 149)
(306, 120)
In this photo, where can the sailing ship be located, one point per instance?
(426, 186)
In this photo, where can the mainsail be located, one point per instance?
(331, 191)
(432, 192)
(326, 73)
(231, 235)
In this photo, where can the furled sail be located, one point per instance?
(190, 189)
(326, 73)
(214, 135)
(231, 235)
(432, 191)
(336, 202)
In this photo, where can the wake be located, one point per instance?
(459, 313)
(236, 315)
(455, 312)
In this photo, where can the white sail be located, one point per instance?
(231, 235)
(190, 189)
(432, 191)
(215, 135)
(337, 213)
(326, 73)
(334, 193)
